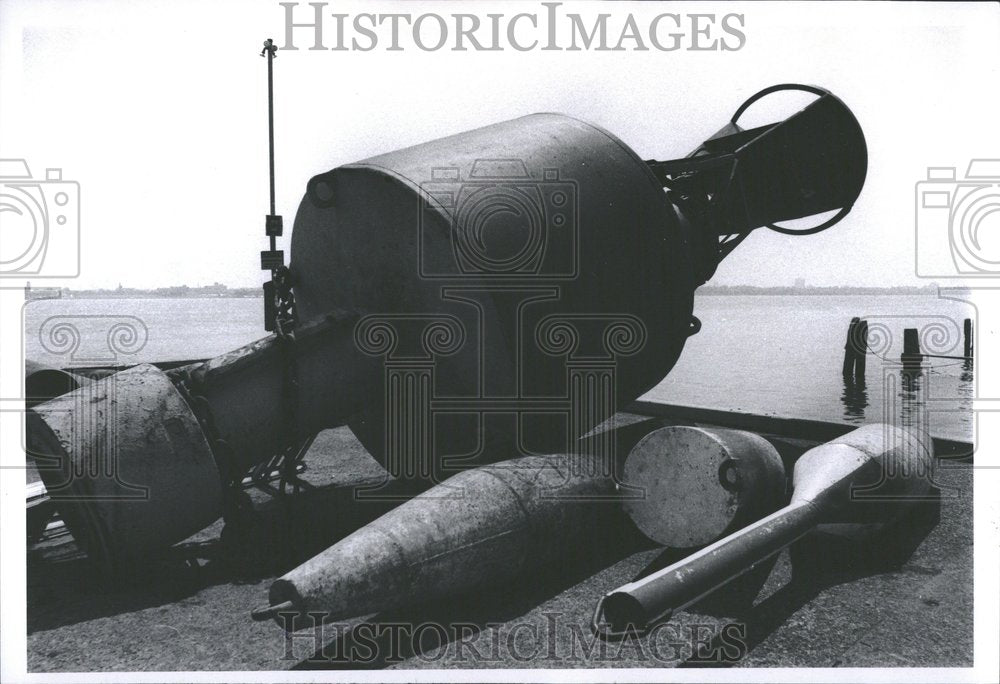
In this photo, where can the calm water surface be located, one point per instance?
(778, 355)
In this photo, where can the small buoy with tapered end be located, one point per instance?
(693, 485)
(863, 476)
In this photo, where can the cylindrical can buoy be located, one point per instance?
(693, 485)
(527, 242)
(127, 465)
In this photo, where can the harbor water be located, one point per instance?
(770, 354)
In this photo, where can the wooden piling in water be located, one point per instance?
(855, 349)
(911, 355)
(967, 330)
(861, 347)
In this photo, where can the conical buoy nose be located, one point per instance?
(867, 473)
(478, 528)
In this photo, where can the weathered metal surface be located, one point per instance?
(126, 464)
(864, 476)
(691, 486)
(861, 476)
(493, 234)
(479, 528)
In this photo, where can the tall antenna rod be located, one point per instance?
(270, 49)
(273, 259)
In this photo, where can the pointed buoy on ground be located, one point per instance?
(478, 528)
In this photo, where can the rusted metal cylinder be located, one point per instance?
(863, 476)
(127, 465)
(479, 528)
(694, 485)
(539, 241)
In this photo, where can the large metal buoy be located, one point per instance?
(477, 530)
(144, 473)
(528, 243)
(493, 293)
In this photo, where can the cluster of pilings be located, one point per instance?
(856, 348)
(913, 355)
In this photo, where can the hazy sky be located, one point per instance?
(158, 110)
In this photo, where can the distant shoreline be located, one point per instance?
(223, 292)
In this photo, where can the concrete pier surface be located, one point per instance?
(843, 596)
